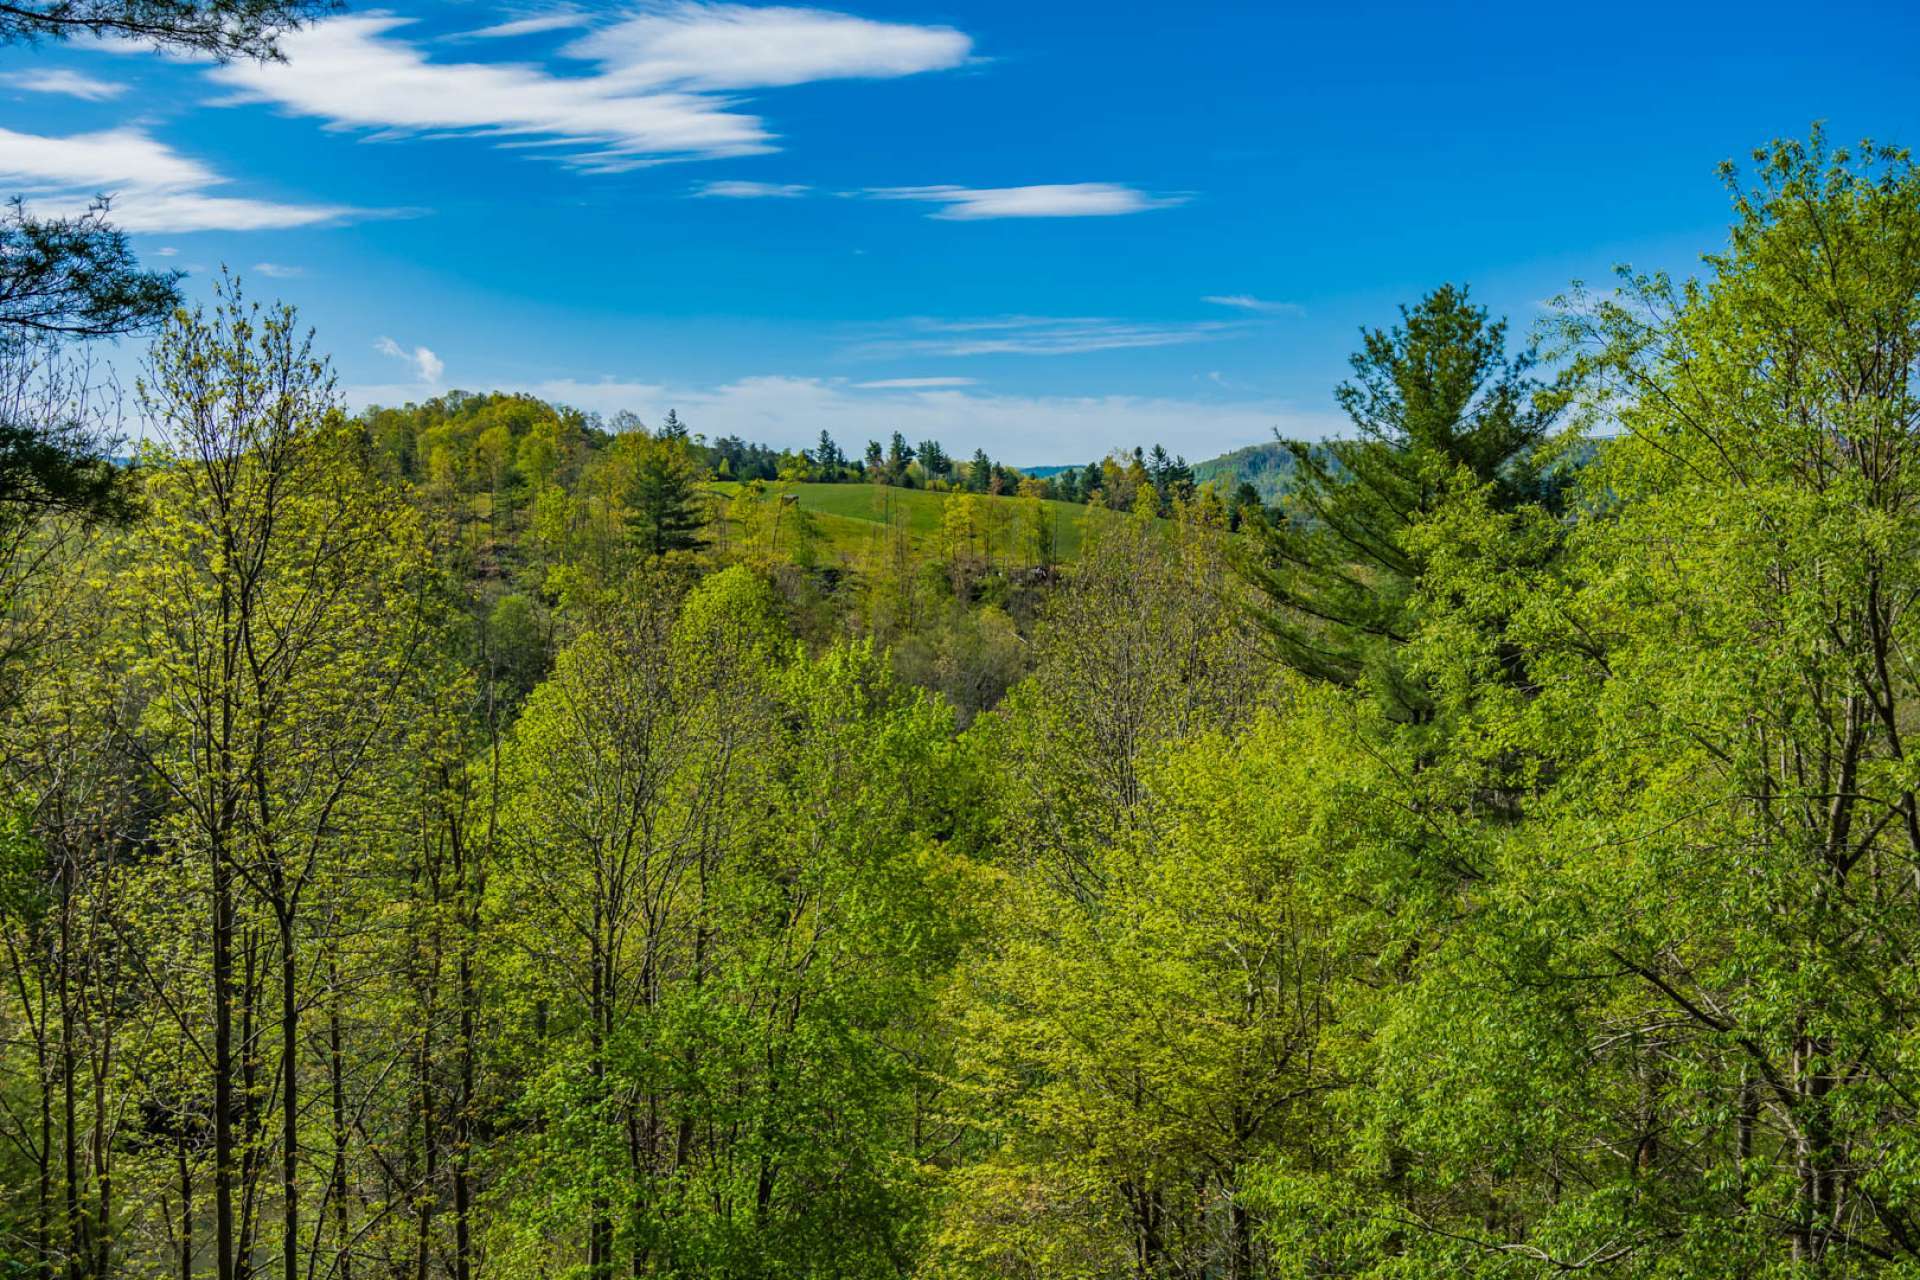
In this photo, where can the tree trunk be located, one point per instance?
(223, 1100)
(289, 1099)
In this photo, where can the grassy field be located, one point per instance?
(852, 517)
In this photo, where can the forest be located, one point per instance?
(476, 839)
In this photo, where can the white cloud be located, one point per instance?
(653, 95)
(789, 412)
(559, 20)
(752, 190)
(155, 188)
(167, 252)
(1054, 200)
(729, 46)
(1247, 302)
(278, 270)
(347, 72)
(1039, 336)
(427, 366)
(70, 83)
(914, 384)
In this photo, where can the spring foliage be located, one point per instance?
(452, 841)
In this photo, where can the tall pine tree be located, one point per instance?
(1435, 394)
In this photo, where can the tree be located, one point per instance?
(1133, 1055)
(671, 428)
(828, 458)
(899, 459)
(1245, 504)
(1436, 394)
(934, 460)
(1104, 1058)
(75, 276)
(60, 279)
(220, 28)
(661, 493)
(1171, 478)
(273, 605)
(730, 920)
(980, 472)
(1687, 935)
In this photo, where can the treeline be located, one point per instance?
(1118, 479)
(476, 437)
(473, 441)
(454, 841)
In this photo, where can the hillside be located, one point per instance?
(851, 514)
(1267, 467)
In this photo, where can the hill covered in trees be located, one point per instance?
(476, 839)
(1267, 467)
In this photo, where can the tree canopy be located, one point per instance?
(473, 839)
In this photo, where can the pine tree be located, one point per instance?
(980, 472)
(1434, 395)
(662, 497)
(828, 458)
(899, 458)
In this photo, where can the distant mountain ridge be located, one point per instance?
(1267, 467)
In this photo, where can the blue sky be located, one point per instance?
(1048, 229)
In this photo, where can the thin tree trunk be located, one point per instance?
(76, 1246)
(289, 1099)
(223, 1100)
(186, 1200)
(336, 1070)
(43, 1215)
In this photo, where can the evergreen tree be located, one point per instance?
(219, 28)
(899, 458)
(1245, 504)
(1435, 395)
(662, 496)
(828, 459)
(1171, 477)
(980, 472)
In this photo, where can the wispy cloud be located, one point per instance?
(278, 270)
(1052, 200)
(1039, 336)
(752, 190)
(70, 83)
(658, 89)
(427, 366)
(532, 25)
(730, 46)
(1247, 302)
(1024, 430)
(154, 187)
(914, 384)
